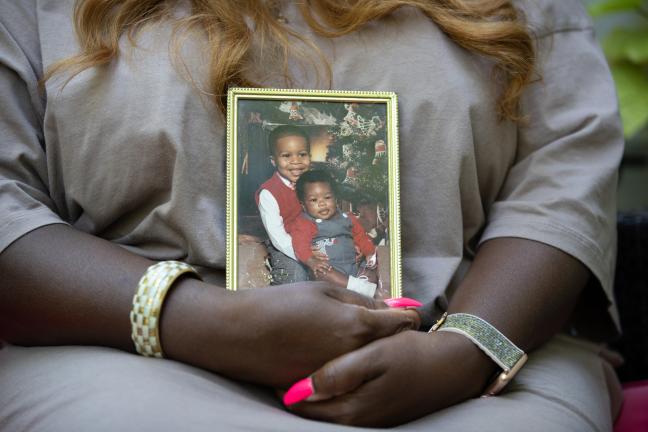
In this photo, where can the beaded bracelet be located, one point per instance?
(491, 341)
(147, 304)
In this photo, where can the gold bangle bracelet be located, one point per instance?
(147, 305)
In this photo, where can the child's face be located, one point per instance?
(291, 157)
(319, 200)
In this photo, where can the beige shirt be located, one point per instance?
(131, 152)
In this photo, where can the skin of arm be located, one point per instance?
(526, 289)
(61, 286)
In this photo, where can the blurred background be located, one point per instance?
(622, 28)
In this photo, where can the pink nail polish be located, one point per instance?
(402, 302)
(299, 391)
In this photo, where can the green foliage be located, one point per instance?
(353, 151)
(627, 52)
(629, 45)
(632, 86)
(610, 6)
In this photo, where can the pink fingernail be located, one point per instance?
(402, 302)
(298, 392)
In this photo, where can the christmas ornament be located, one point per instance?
(381, 149)
(292, 108)
(351, 176)
(294, 112)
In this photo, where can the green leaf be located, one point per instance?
(611, 6)
(627, 44)
(632, 87)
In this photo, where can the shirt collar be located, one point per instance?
(285, 181)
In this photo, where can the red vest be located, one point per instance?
(289, 207)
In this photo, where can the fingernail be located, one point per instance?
(298, 392)
(402, 302)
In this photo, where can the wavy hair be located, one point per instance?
(490, 28)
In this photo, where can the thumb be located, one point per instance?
(344, 295)
(388, 322)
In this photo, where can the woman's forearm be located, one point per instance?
(524, 288)
(62, 286)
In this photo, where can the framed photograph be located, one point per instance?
(313, 189)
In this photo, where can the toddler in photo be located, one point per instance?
(333, 232)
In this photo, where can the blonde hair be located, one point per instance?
(491, 28)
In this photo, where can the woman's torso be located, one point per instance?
(136, 154)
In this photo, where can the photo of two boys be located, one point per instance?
(313, 195)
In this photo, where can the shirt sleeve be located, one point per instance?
(25, 203)
(361, 239)
(302, 236)
(273, 223)
(561, 188)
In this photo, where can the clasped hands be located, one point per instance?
(395, 378)
(369, 366)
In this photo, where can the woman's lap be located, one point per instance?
(88, 388)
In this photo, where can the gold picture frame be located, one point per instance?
(351, 136)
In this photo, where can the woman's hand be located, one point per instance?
(397, 379)
(403, 377)
(274, 335)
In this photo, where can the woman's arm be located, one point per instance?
(61, 286)
(524, 288)
(549, 230)
(64, 287)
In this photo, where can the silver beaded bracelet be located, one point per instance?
(491, 341)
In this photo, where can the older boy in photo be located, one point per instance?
(278, 205)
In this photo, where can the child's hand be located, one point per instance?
(317, 265)
(318, 253)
